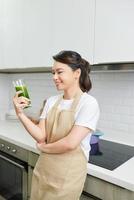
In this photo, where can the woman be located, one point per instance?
(63, 132)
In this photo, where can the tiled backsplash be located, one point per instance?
(113, 90)
(115, 94)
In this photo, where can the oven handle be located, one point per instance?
(12, 162)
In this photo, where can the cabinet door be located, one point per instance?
(12, 28)
(36, 30)
(114, 31)
(37, 33)
(1, 34)
(27, 33)
(73, 26)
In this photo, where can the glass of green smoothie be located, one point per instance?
(21, 86)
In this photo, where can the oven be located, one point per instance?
(13, 172)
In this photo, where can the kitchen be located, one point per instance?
(106, 37)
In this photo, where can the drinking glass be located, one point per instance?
(21, 86)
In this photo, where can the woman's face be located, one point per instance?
(64, 77)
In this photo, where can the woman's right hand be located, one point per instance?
(20, 102)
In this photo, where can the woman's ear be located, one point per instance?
(77, 73)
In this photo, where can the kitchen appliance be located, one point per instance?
(111, 155)
(13, 171)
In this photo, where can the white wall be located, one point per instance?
(115, 94)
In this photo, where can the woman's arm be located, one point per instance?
(68, 143)
(36, 131)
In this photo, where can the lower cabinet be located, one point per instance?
(105, 190)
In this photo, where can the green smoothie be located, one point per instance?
(24, 91)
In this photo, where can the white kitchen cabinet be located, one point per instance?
(26, 39)
(114, 31)
(73, 26)
(35, 30)
(1, 34)
(13, 34)
(37, 33)
(32, 31)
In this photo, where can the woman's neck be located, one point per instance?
(69, 94)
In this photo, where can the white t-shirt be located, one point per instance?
(87, 115)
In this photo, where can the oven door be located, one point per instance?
(13, 178)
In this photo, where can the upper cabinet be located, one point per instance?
(37, 28)
(26, 39)
(114, 31)
(1, 34)
(13, 33)
(33, 31)
(73, 26)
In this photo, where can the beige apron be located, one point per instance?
(59, 176)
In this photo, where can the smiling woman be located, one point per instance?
(63, 76)
(69, 64)
(64, 131)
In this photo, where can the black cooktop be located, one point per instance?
(110, 155)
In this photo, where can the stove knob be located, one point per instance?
(2, 145)
(8, 148)
(14, 150)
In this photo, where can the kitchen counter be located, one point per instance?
(14, 132)
(123, 176)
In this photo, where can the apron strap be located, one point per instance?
(74, 103)
(76, 100)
